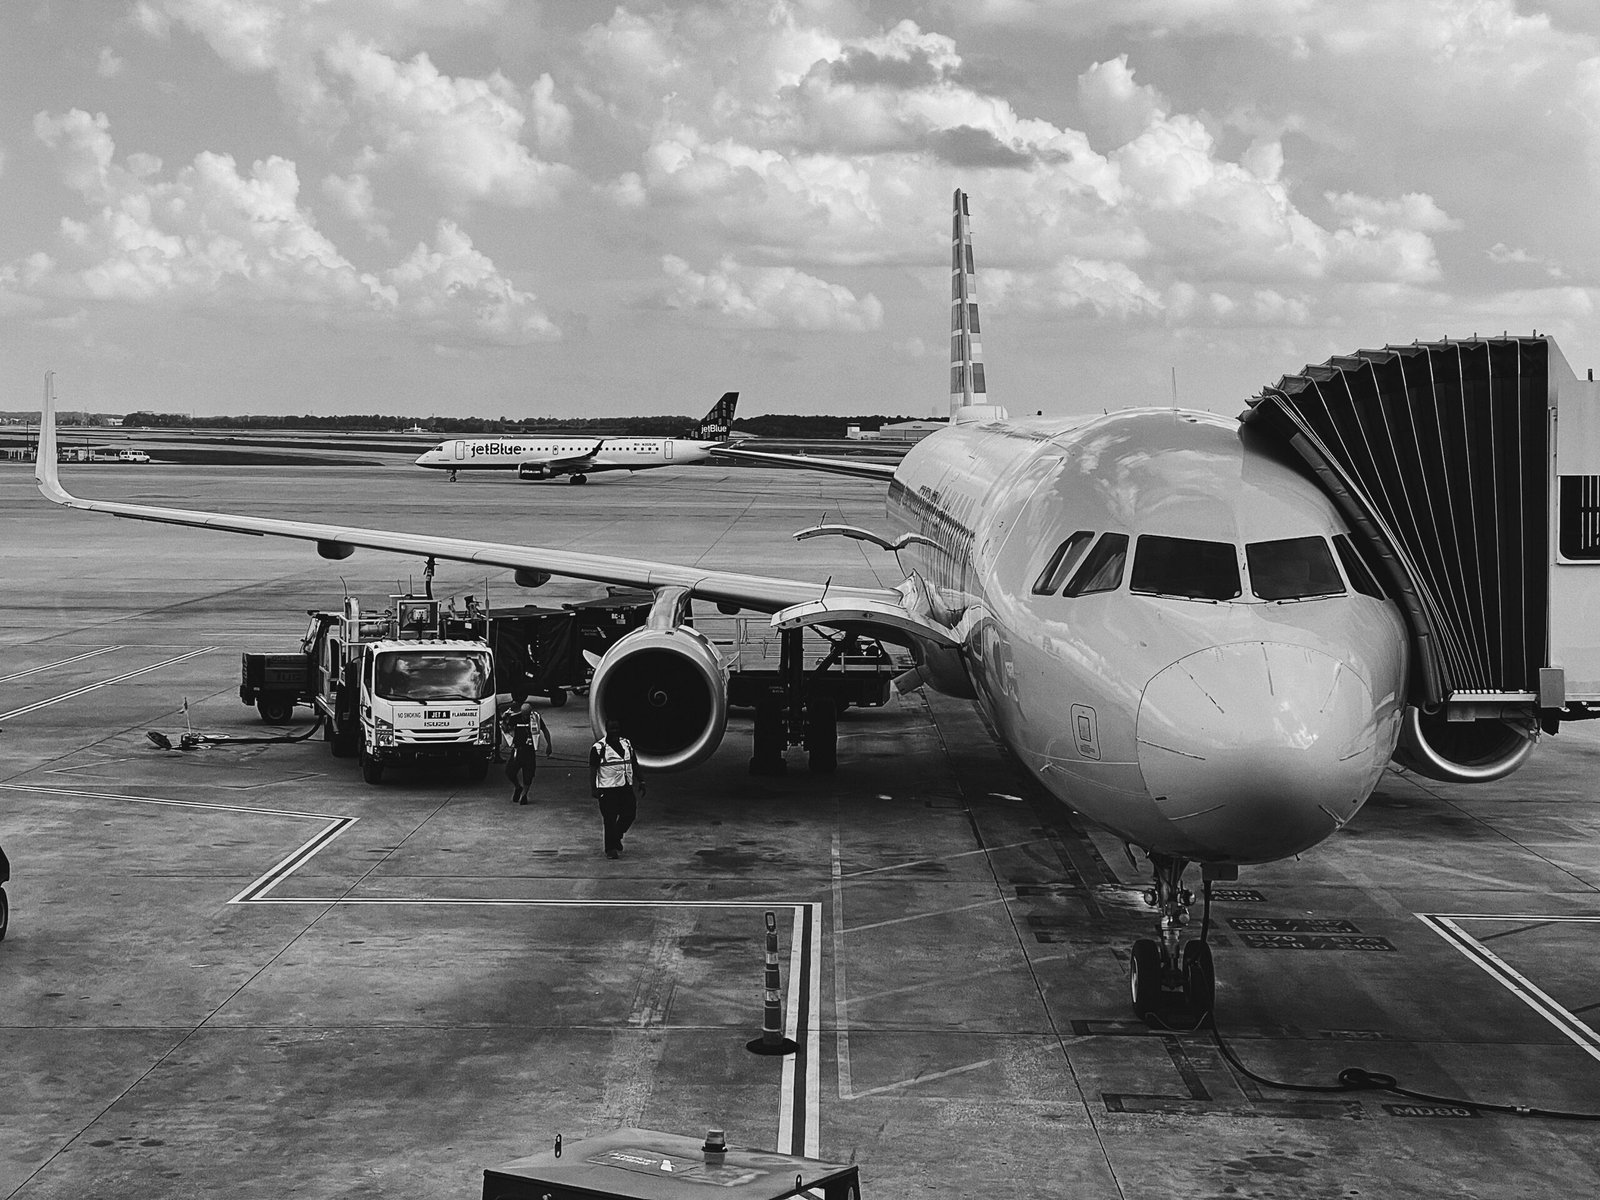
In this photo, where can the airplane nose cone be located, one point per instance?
(1257, 751)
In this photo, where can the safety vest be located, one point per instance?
(616, 770)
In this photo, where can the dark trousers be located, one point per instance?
(618, 807)
(520, 767)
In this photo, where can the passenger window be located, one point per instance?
(1061, 563)
(1362, 577)
(1102, 569)
(1292, 569)
(1186, 567)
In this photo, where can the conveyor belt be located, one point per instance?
(1436, 454)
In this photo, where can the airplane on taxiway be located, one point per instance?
(579, 457)
(1167, 625)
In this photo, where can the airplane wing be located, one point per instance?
(836, 466)
(756, 592)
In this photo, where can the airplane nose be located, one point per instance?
(1258, 750)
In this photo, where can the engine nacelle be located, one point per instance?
(669, 689)
(532, 471)
(1464, 751)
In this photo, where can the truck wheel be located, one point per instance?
(371, 769)
(767, 758)
(558, 698)
(477, 770)
(5, 914)
(275, 710)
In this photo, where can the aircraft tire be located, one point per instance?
(1199, 979)
(558, 698)
(1144, 977)
(371, 769)
(5, 914)
(575, 479)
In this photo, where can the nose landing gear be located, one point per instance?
(1169, 977)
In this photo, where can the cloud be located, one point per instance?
(213, 235)
(337, 68)
(351, 196)
(769, 297)
(109, 64)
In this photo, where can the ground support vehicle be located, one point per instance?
(646, 1164)
(402, 686)
(798, 686)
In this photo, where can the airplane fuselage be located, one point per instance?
(564, 455)
(1211, 727)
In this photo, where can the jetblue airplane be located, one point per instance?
(1168, 627)
(579, 457)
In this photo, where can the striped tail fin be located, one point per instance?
(966, 354)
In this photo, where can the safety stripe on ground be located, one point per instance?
(166, 662)
(65, 662)
(1446, 926)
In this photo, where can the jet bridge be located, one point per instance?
(1470, 473)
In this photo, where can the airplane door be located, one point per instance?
(666, 449)
(460, 451)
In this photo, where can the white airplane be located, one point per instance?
(1167, 625)
(579, 457)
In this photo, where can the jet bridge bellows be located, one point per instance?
(1441, 457)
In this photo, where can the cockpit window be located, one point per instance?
(1292, 569)
(1186, 567)
(1061, 563)
(1102, 568)
(1362, 578)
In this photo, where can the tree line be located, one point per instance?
(775, 425)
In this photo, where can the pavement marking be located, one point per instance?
(940, 912)
(65, 662)
(1446, 926)
(166, 662)
(799, 1109)
(917, 862)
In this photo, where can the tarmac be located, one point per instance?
(238, 970)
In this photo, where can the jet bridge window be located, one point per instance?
(1061, 563)
(1292, 569)
(1102, 569)
(1185, 567)
(1578, 520)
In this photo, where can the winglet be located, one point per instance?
(44, 469)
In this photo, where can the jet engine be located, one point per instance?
(532, 471)
(669, 689)
(1464, 751)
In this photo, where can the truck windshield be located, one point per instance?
(432, 675)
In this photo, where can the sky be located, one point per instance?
(561, 208)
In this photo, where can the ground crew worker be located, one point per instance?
(530, 737)
(615, 770)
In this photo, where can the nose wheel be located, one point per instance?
(1169, 977)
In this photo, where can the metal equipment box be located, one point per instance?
(644, 1164)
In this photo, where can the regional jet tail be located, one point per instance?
(579, 457)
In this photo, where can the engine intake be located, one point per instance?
(1464, 751)
(669, 690)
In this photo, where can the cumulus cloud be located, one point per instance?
(213, 234)
(769, 297)
(351, 196)
(336, 66)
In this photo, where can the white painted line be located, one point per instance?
(813, 1147)
(841, 1001)
(64, 662)
(924, 916)
(917, 862)
(791, 1026)
(1447, 927)
(901, 1085)
(166, 662)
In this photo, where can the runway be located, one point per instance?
(240, 970)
